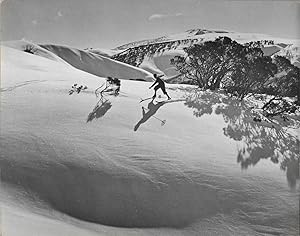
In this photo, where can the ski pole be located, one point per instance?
(162, 121)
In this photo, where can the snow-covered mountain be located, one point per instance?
(202, 35)
(186, 35)
(138, 60)
(158, 61)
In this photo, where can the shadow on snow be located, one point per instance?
(151, 109)
(100, 109)
(258, 140)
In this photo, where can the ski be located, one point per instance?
(145, 99)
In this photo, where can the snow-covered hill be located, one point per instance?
(109, 62)
(32, 48)
(180, 36)
(97, 64)
(90, 62)
(159, 61)
(77, 165)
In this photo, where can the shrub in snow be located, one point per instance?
(30, 49)
(225, 63)
(286, 83)
(240, 70)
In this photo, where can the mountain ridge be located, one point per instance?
(154, 55)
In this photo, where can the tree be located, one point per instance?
(225, 63)
(209, 63)
(287, 81)
(251, 73)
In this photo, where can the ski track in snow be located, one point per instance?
(29, 82)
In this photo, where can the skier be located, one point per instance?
(160, 85)
(112, 86)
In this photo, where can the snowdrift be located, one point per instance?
(32, 48)
(63, 172)
(98, 65)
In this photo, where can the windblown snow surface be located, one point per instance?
(70, 168)
(97, 64)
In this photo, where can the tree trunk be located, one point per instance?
(298, 93)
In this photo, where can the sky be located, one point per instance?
(111, 23)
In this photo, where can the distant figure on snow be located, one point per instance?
(111, 86)
(160, 85)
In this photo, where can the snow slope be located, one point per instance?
(207, 35)
(37, 50)
(70, 168)
(89, 61)
(98, 65)
(103, 51)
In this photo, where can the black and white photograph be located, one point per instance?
(150, 118)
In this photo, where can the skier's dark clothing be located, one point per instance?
(160, 85)
(112, 87)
